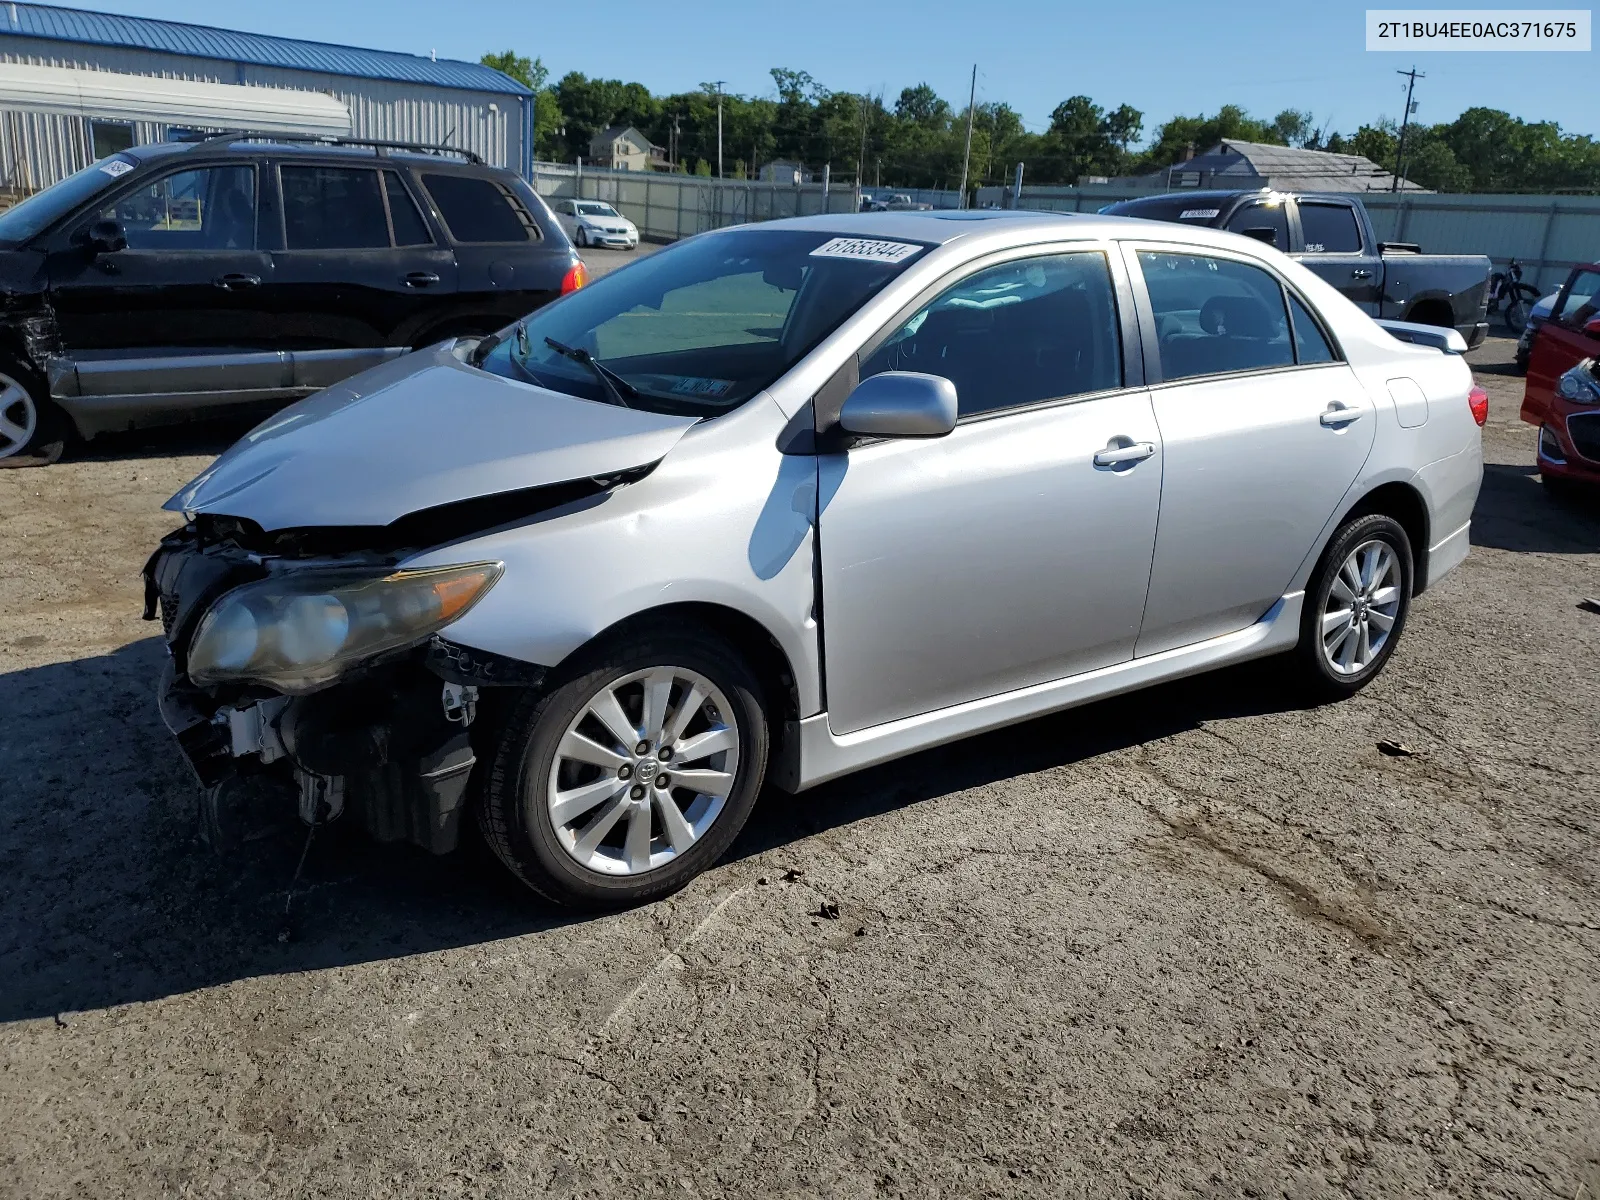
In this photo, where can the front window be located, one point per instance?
(42, 209)
(588, 209)
(1582, 300)
(1037, 329)
(704, 325)
(213, 208)
(1265, 214)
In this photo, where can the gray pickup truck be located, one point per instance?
(1331, 234)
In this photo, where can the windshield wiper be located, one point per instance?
(616, 386)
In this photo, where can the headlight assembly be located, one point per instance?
(298, 631)
(1579, 386)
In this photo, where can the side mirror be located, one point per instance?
(1592, 327)
(900, 404)
(1262, 233)
(106, 236)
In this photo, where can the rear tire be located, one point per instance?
(587, 819)
(33, 430)
(1355, 608)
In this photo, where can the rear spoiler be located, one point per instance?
(1446, 341)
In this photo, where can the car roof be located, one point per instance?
(1001, 226)
(152, 151)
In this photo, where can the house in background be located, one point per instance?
(624, 148)
(1248, 165)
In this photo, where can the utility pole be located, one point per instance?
(966, 156)
(718, 85)
(1405, 119)
(861, 159)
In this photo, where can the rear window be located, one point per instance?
(1329, 228)
(409, 227)
(480, 210)
(333, 208)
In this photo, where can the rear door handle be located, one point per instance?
(1112, 456)
(421, 279)
(1361, 273)
(1336, 417)
(236, 279)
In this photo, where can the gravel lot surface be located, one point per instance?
(1200, 941)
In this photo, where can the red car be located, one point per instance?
(1564, 407)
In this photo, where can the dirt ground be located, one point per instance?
(1198, 941)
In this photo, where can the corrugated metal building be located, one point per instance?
(388, 96)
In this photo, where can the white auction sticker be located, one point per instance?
(1524, 29)
(865, 249)
(1198, 214)
(116, 167)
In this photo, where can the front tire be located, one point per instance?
(631, 773)
(1356, 607)
(581, 239)
(33, 431)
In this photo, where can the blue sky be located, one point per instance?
(1160, 56)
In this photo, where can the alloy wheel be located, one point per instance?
(19, 416)
(1361, 609)
(643, 771)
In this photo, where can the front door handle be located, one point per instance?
(1360, 273)
(236, 279)
(1337, 416)
(421, 279)
(1113, 456)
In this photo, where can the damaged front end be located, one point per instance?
(303, 658)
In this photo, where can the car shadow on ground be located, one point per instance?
(209, 438)
(1516, 513)
(108, 897)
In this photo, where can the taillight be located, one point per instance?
(577, 275)
(1478, 401)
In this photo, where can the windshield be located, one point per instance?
(702, 326)
(596, 210)
(21, 222)
(1193, 210)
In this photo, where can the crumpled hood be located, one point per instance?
(418, 432)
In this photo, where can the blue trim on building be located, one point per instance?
(201, 41)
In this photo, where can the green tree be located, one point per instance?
(922, 106)
(547, 116)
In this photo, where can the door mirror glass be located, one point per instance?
(1262, 233)
(106, 236)
(900, 404)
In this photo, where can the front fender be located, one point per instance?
(724, 519)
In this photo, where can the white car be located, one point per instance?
(595, 223)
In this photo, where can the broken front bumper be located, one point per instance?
(390, 741)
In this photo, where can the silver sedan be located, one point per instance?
(785, 501)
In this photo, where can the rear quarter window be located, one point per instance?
(480, 210)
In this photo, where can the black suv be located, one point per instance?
(177, 279)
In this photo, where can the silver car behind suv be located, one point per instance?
(785, 501)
